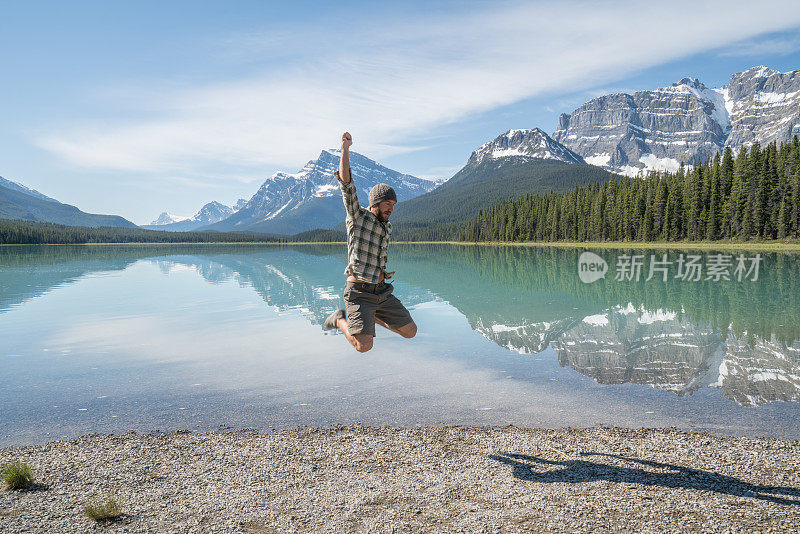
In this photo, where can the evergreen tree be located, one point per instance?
(711, 223)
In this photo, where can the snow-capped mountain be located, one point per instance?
(512, 164)
(764, 106)
(212, 212)
(209, 214)
(168, 218)
(288, 203)
(533, 143)
(683, 123)
(23, 189)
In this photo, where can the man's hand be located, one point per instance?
(347, 140)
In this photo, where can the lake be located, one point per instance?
(109, 339)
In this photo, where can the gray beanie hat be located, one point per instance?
(380, 193)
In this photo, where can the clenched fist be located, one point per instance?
(347, 140)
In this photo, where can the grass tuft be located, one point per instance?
(107, 508)
(17, 475)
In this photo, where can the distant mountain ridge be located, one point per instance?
(209, 214)
(167, 218)
(684, 123)
(288, 203)
(21, 203)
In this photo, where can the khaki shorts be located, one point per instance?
(364, 302)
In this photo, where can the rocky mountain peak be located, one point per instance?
(533, 143)
(690, 82)
(310, 198)
(684, 122)
(212, 212)
(760, 71)
(764, 106)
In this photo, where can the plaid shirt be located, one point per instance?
(367, 237)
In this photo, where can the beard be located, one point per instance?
(381, 215)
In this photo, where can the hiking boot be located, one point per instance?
(333, 318)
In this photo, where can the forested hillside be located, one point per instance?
(18, 204)
(18, 232)
(754, 195)
(478, 186)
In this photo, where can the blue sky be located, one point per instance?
(134, 108)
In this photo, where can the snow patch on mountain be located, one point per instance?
(326, 190)
(650, 317)
(596, 320)
(775, 98)
(653, 162)
(601, 160)
(10, 184)
(278, 211)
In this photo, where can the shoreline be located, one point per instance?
(428, 479)
(699, 245)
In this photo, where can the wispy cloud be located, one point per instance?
(393, 82)
(780, 46)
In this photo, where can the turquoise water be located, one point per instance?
(101, 339)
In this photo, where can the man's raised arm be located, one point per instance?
(345, 177)
(344, 161)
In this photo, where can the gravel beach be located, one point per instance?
(454, 479)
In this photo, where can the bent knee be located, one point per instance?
(363, 345)
(409, 331)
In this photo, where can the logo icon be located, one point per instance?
(591, 267)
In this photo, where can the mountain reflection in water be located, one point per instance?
(681, 336)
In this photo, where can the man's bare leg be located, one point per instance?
(361, 342)
(409, 330)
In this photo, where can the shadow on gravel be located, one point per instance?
(33, 488)
(675, 477)
(121, 519)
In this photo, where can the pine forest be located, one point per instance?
(754, 195)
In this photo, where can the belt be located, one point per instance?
(367, 286)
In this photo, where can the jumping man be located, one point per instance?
(368, 298)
